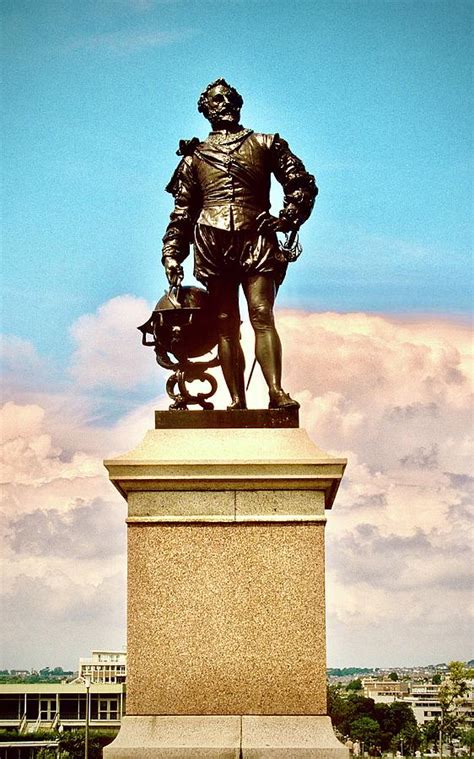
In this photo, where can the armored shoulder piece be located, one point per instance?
(266, 140)
(187, 147)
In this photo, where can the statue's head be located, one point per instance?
(220, 104)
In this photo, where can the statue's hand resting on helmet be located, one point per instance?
(174, 270)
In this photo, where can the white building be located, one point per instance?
(99, 689)
(422, 697)
(385, 691)
(104, 667)
(48, 706)
(424, 700)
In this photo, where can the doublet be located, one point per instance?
(225, 183)
(234, 181)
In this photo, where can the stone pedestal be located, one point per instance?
(226, 615)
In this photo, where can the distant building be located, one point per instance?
(424, 700)
(104, 667)
(422, 697)
(385, 691)
(29, 707)
(48, 706)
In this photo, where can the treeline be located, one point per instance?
(350, 671)
(45, 675)
(383, 727)
(380, 727)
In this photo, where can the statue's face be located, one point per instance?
(222, 110)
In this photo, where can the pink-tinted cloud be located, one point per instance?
(393, 395)
(34, 471)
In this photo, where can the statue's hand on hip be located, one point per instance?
(266, 223)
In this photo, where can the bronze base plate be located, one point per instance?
(238, 419)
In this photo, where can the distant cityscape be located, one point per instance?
(418, 672)
(417, 711)
(101, 661)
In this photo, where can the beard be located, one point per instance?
(224, 119)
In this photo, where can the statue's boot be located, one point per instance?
(237, 386)
(233, 366)
(280, 399)
(237, 403)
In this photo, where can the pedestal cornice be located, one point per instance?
(227, 460)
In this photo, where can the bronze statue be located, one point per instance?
(221, 191)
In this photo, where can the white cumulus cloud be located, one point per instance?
(393, 395)
(108, 350)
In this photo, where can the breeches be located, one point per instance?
(235, 255)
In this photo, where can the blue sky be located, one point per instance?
(374, 96)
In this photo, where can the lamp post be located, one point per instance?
(87, 683)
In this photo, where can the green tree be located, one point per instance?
(356, 706)
(365, 729)
(382, 715)
(436, 679)
(359, 706)
(451, 695)
(430, 732)
(71, 742)
(344, 708)
(467, 738)
(354, 685)
(412, 738)
(393, 676)
(401, 717)
(337, 706)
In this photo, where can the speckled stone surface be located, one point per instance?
(227, 505)
(226, 619)
(279, 502)
(179, 503)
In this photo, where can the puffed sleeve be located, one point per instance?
(185, 190)
(299, 186)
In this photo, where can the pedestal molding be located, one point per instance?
(227, 459)
(207, 518)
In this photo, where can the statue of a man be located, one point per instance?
(221, 189)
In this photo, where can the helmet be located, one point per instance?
(183, 323)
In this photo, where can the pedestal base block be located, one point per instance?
(234, 737)
(303, 737)
(200, 737)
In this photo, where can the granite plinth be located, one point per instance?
(226, 619)
(303, 737)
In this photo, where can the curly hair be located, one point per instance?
(202, 102)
